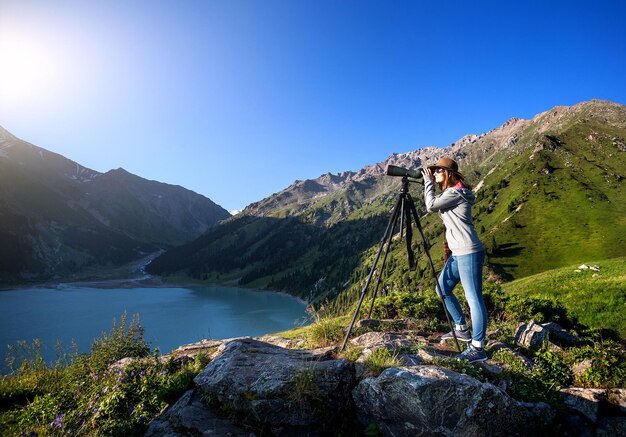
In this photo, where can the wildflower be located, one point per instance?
(82, 424)
(130, 410)
(132, 373)
(163, 372)
(58, 421)
(90, 404)
(141, 374)
(104, 390)
(95, 410)
(80, 413)
(119, 371)
(141, 419)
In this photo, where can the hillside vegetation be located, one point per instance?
(596, 298)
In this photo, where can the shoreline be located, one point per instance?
(146, 281)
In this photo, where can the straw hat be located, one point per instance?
(448, 164)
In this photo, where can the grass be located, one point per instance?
(92, 394)
(597, 299)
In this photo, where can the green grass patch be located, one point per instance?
(596, 299)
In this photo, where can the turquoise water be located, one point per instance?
(171, 316)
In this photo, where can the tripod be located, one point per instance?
(402, 211)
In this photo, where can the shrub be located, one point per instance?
(608, 364)
(121, 342)
(95, 394)
(404, 304)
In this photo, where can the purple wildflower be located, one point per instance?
(95, 410)
(58, 421)
(141, 374)
(132, 373)
(104, 390)
(119, 371)
(141, 419)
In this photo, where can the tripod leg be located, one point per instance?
(432, 268)
(388, 230)
(382, 268)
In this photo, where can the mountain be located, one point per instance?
(58, 217)
(550, 192)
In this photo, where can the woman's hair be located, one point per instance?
(450, 179)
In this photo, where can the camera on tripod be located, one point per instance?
(402, 216)
(393, 170)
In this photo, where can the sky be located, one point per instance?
(237, 99)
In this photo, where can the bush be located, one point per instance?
(121, 342)
(608, 364)
(404, 304)
(95, 394)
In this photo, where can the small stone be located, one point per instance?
(531, 334)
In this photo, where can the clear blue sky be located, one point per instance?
(237, 99)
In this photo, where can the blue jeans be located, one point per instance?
(469, 270)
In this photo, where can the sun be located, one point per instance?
(28, 69)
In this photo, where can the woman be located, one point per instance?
(468, 253)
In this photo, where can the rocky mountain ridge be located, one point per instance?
(58, 217)
(546, 188)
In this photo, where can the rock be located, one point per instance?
(611, 426)
(531, 334)
(617, 398)
(409, 360)
(560, 335)
(286, 343)
(388, 340)
(428, 400)
(429, 354)
(189, 416)
(577, 425)
(282, 391)
(494, 346)
(368, 323)
(208, 347)
(585, 401)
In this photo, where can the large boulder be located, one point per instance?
(281, 391)
(189, 416)
(429, 401)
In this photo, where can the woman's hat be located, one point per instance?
(448, 164)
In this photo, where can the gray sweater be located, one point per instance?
(455, 209)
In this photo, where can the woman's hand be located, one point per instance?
(427, 173)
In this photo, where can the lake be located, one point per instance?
(171, 316)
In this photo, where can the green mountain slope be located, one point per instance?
(550, 193)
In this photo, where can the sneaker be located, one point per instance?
(465, 336)
(473, 355)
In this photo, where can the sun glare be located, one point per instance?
(28, 69)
